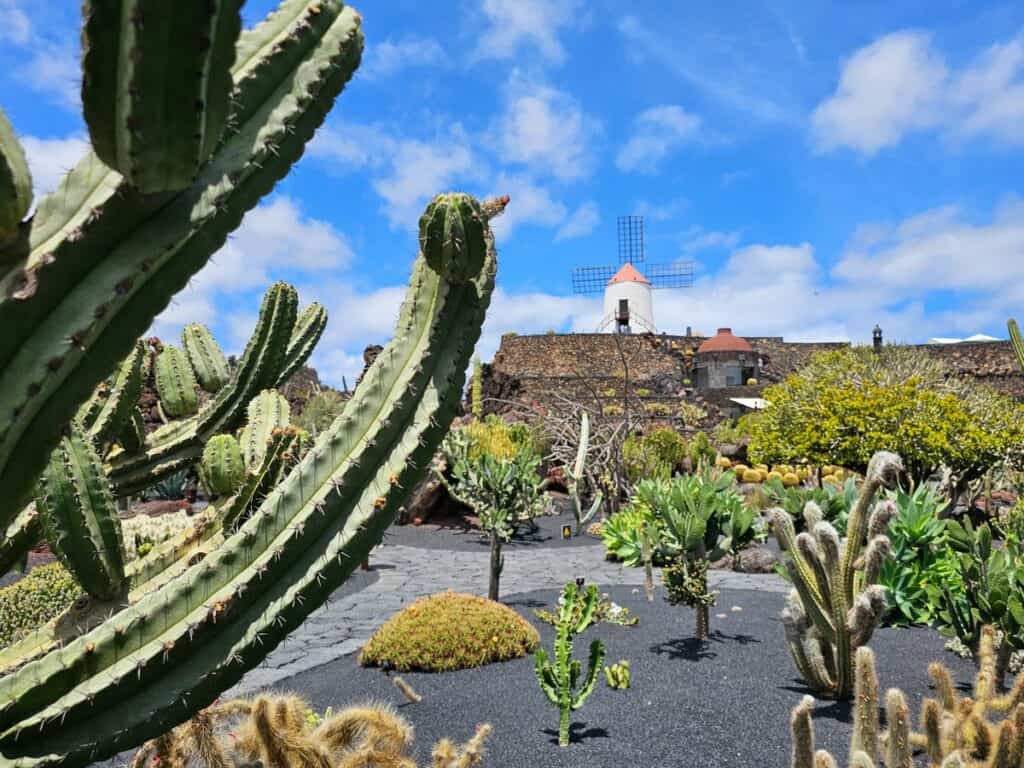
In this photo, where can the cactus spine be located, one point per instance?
(222, 469)
(955, 732)
(15, 183)
(559, 680)
(268, 412)
(175, 383)
(80, 518)
(101, 259)
(155, 663)
(836, 603)
(154, 129)
(205, 357)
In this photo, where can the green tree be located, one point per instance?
(846, 405)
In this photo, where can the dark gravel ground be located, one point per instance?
(457, 534)
(726, 702)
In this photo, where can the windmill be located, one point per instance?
(627, 291)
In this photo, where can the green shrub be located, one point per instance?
(28, 604)
(657, 453)
(320, 411)
(450, 631)
(621, 533)
(700, 451)
(493, 436)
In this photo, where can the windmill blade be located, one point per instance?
(677, 274)
(591, 279)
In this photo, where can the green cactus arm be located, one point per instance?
(154, 128)
(545, 675)
(176, 383)
(309, 327)
(821, 618)
(80, 517)
(196, 636)
(1016, 341)
(205, 356)
(133, 434)
(222, 468)
(105, 260)
(588, 608)
(268, 411)
(119, 405)
(180, 443)
(21, 535)
(596, 659)
(15, 182)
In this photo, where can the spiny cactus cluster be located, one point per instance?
(836, 602)
(84, 277)
(562, 679)
(956, 731)
(208, 605)
(284, 731)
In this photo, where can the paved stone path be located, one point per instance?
(407, 573)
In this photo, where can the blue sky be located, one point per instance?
(826, 165)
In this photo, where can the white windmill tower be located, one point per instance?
(628, 302)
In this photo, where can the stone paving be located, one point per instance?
(407, 573)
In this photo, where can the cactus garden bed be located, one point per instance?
(727, 702)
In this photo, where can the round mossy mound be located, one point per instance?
(449, 631)
(31, 602)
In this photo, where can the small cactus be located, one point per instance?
(617, 676)
(790, 480)
(222, 468)
(752, 476)
(205, 356)
(176, 383)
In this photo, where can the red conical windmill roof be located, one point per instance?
(628, 274)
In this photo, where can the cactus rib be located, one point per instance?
(205, 356)
(176, 383)
(102, 250)
(180, 646)
(309, 327)
(80, 518)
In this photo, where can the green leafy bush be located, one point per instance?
(31, 602)
(701, 453)
(920, 558)
(320, 411)
(622, 533)
(450, 631)
(656, 454)
(847, 404)
(834, 501)
(499, 439)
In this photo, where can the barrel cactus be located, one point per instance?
(222, 469)
(450, 233)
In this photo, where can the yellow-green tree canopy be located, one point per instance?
(845, 405)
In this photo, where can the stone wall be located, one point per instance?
(533, 368)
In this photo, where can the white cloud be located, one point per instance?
(531, 204)
(275, 240)
(723, 74)
(50, 159)
(699, 239)
(887, 89)
(942, 250)
(526, 23)
(582, 222)
(900, 84)
(15, 26)
(666, 211)
(657, 133)
(406, 172)
(546, 129)
(53, 70)
(385, 58)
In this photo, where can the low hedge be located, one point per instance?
(31, 602)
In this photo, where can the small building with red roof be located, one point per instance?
(724, 360)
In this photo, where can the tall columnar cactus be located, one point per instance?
(175, 383)
(836, 603)
(222, 468)
(576, 475)
(955, 732)
(267, 412)
(80, 518)
(184, 640)
(100, 258)
(1017, 342)
(155, 129)
(559, 680)
(205, 357)
(15, 183)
